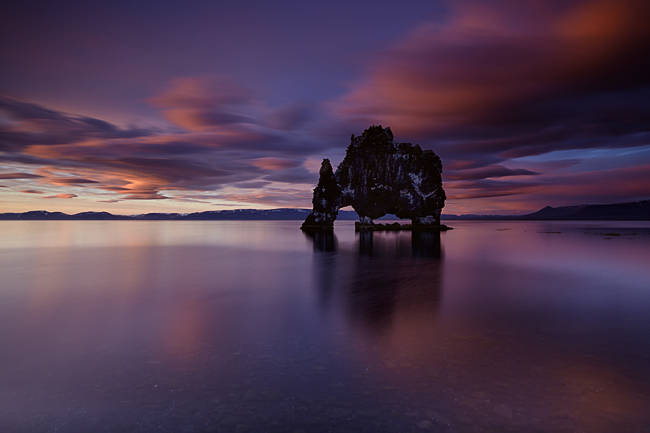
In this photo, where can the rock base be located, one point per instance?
(316, 227)
(361, 227)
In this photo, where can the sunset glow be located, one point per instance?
(159, 107)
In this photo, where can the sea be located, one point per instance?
(255, 326)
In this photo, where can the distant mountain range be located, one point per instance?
(236, 214)
(639, 210)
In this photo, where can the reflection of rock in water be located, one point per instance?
(392, 275)
(323, 240)
(365, 243)
(394, 244)
(425, 244)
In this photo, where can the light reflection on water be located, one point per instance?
(254, 326)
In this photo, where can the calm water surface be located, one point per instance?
(207, 326)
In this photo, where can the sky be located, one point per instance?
(162, 106)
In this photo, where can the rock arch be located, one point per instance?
(379, 177)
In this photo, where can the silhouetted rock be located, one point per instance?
(379, 177)
(326, 199)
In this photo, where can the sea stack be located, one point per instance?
(326, 201)
(377, 177)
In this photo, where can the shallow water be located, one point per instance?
(181, 326)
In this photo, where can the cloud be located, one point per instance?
(29, 124)
(18, 175)
(32, 191)
(486, 172)
(596, 186)
(487, 188)
(500, 81)
(272, 197)
(493, 88)
(101, 156)
(270, 163)
(63, 195)
(290, 117)
(525, 78)
(145, 195)
(616, 184)
(255, 184)
(199, 104)
(293, 175)
(64, 181)
(221, 110)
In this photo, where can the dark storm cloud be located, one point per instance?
(509, 80)
(500, 81)
(30, 124)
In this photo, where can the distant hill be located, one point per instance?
(236, 214)
(639, 210)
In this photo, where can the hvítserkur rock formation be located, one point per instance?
(379, 177)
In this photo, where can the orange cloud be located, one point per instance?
(199, 104)
(61, 196)
(487, 64)
(271, 163)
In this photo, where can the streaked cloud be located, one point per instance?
(500, 81)
(18, 175)
(206, 157)
(498, 90)
(62, 195)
